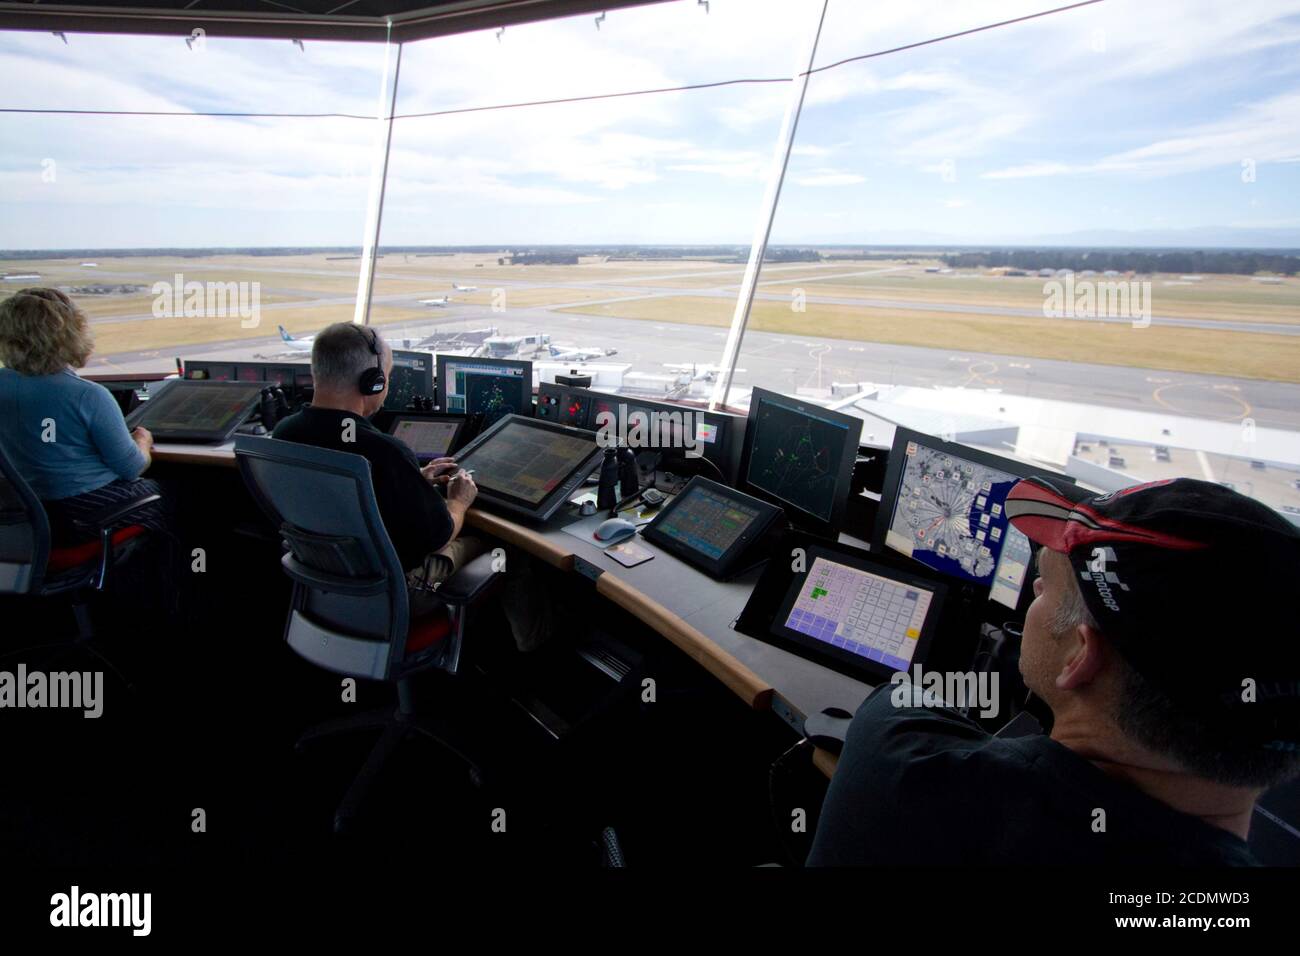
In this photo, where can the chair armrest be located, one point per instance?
(471, 581)
(333, 583)
(106, 521)
(114, 514)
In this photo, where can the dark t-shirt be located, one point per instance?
(926, 786)
(414, 514)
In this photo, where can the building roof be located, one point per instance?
(358, 20)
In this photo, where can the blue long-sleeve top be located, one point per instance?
(65, 435)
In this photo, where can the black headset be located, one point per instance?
(372, 380)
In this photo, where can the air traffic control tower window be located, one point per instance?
(191, 193)
(584, 189)
(1067, 238)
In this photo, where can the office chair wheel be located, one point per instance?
(110, 667)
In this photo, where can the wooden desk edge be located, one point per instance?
(193, 455)
(735, 675)
(825, 761)
(521, 537)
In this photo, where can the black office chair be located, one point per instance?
(30, 565)
(350, 612)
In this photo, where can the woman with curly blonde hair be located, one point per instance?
(64, 434)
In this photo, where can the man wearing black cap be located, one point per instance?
(1162, 636)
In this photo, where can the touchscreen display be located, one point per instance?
(428, 439)
(866, 614)
(527, 463)
(707, 521)
(185, 407)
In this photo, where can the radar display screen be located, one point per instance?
(411, 375)
(800, 454)
(950, 516)
(487, 387)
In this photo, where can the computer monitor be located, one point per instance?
(412, 375)
(197, 411)
(530, 467)
(429, 436)
(859, 613)
(295, 374)
(943, 505)
(489, 387)
(800, 456)
(659, 426)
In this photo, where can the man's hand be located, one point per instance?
(143, 439)
(461, 490)
(439, 471)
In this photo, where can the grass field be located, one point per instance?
(1208, 351)
(1235, 298)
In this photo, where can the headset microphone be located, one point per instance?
(372, 380)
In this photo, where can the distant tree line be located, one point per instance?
(541, 259)
(1182, 261)
(778, 254)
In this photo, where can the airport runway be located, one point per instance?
(621, 290)
(788, 362)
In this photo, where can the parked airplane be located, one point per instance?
(464, 288)
(699, 371)
(300, 345)
(579, 355)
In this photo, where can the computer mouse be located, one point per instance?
(614, 529)
(828, 729)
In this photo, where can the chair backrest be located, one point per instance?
(350, 606)
(24, 533)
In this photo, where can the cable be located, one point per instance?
(595, 96)
(780, 824)
(357, 116)
(953, 36)
(576, 99)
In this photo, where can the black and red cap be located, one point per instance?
(1193, 582)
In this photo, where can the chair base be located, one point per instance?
(394, 724)
(54, 651)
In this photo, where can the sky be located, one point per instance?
(1155, 122)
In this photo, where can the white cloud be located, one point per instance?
(831, 179)
(1267, 131)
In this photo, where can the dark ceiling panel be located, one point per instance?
(364, 20)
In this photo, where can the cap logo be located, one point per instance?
(1099, 574)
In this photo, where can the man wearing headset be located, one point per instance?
(350, 365)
